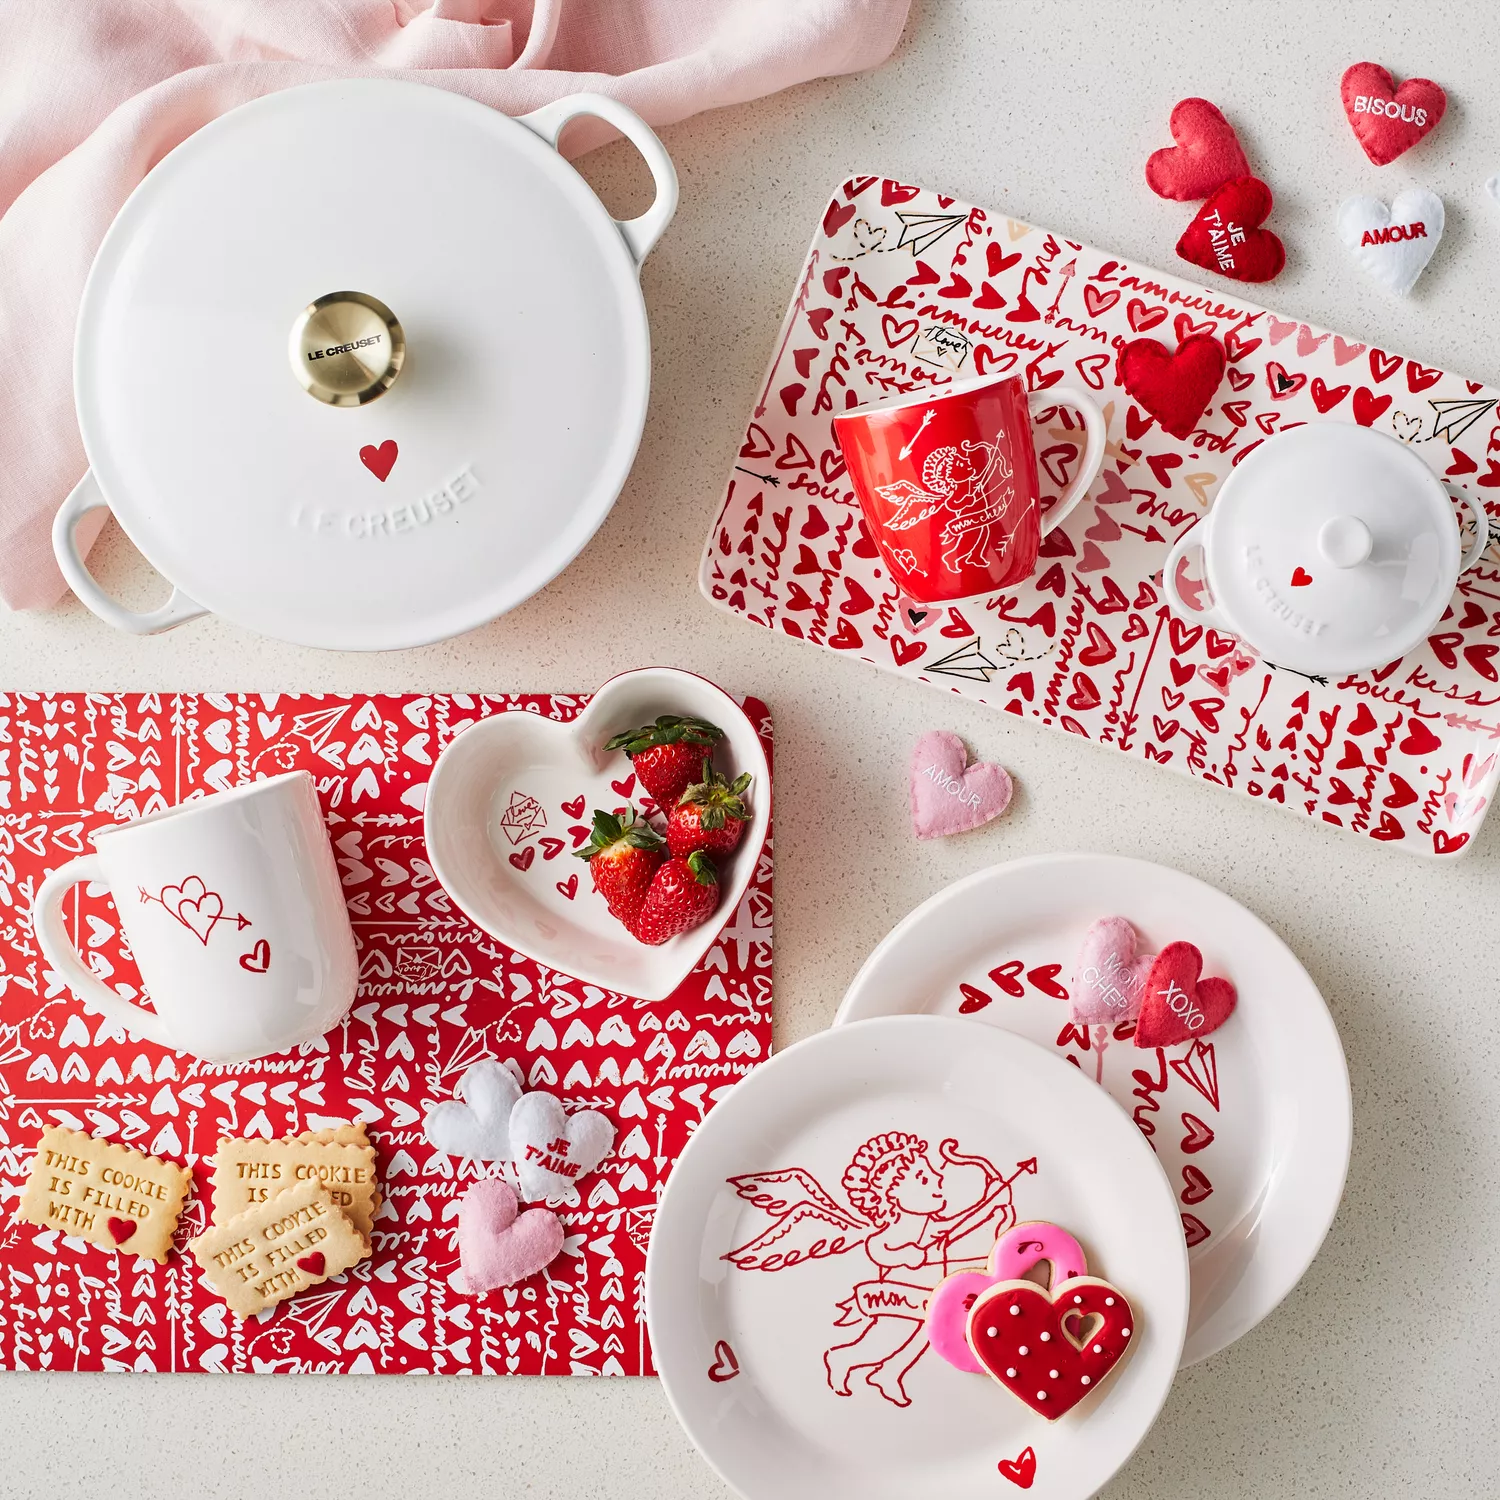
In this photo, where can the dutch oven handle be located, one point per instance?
(88, 496)
(643, 232)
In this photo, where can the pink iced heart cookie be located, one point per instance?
(1110, 977)
(947, 794)
(1178, 1005)
(1016, 1252)
(497, 1246)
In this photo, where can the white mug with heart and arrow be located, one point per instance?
(235, 914)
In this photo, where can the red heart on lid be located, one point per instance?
(1051, 1349)
(120, 1230)
(1175, 388)
(1225, 237)
(1207, 153)
(379, 461)
(1387, 120)
(1178, 1004)
(1301, 578)
(313, 1263)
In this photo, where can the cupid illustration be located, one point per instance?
(915, 1224)
(969, 483)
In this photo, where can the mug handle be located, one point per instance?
(1093, 447)
(87, 496)
(57, 947)
(1187, 542)
(1481, 541)
(640, 233)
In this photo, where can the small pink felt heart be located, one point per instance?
(1109, 978)
(1179, 1005)
(497, 1246)
(949, 796)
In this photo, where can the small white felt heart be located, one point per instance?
(477, 1123)
(553, 1149)
(1393, 244)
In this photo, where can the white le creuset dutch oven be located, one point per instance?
(362, 364)
(1332, 548)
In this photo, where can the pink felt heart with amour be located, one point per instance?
(1109, 979)
(947, 794)
(1179, 1005)
(1021, 1248)
(496, 1245)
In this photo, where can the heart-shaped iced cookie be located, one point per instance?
(477, 1123)
(497, 1246)
(1051, 1349)
(552, 1149)
(1017, 1251)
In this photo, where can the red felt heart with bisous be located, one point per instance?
(1173, 388)
(1225, 236)
(1051, 1349)
(1179, 1004)
(1387, 120)
(1207, 154)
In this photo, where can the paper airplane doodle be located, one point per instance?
(1454, 418)
(968, 662)
(922, 231)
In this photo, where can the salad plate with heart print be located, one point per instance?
(1252, 1124)
(816, 1209)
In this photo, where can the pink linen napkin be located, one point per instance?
(94, 92)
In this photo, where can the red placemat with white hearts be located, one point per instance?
(903, 289)
(436, 994)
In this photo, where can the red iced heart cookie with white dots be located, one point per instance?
(1387, 120)
(1179, 1005)
(1226, 237)
(1173, 388)
(1051, 1349)
(1207, 154)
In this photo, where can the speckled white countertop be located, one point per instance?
(1378, 1376)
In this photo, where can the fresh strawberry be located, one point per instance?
(710, 815)
(684, 892)
(668, 755)
(623, 854)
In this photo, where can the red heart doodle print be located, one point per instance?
(1021, 1470)
(725, 1365)
(258, 959)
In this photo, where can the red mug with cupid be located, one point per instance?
(948, 483)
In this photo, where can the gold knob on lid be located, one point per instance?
(347, 348)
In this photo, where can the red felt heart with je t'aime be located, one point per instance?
(1051, 1348)
(1179, 1004)
(1225, 236)
(1207, 154)
(1387, 120)
(1174, 388)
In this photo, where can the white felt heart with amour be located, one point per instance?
(552, 1149)
(511, 798)
(477, 1123)
(1393, 243)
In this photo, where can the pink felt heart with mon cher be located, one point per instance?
(1109, 978)
(947, 794)
(497, 1246)
(1207, 154)
(1180, 1005)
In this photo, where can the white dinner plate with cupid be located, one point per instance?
(798, 1362)
(1252, 1124)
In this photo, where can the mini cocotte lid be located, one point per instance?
(362, 364)
(1332, 548)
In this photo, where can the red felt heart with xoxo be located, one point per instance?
(1179, 1005)
(1051, 1349)
(1386, 120)
(1225, 236)
(1207, 154)
(1175, 388)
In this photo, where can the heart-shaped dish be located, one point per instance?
(493, 782)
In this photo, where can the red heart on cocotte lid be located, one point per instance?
(1388, 121)
(1225, 238)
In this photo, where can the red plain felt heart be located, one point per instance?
(1039, 1351)
(1224, 237)
(1179, 1005)
(312, 1263)
(1174, 388)
(1207, 154)
(379, 461)
(120, 1230)
(1387, 120)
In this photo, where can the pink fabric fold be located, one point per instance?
(94, 92)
